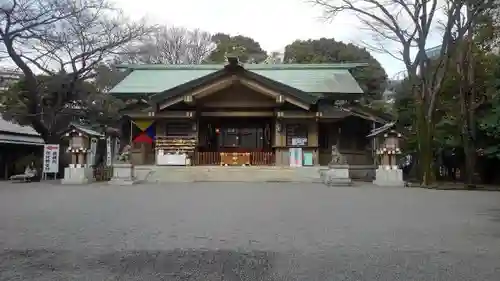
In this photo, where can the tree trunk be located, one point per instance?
(470, 161)
(424, 136)
(468, 107)
(469, 131)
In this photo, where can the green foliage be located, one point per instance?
(489, 112)
(448, 116)
(108, 76)
(247, 49)
(60, 100)
(372, 78)
(489, 124)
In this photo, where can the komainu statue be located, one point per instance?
(337, 158)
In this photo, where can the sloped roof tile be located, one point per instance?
(309, 78)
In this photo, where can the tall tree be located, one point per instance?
(172, 45)
(372, 78)
(402, 29)
(247, 49)
(83, 104)
(65, 40)
(481, 36)
(449, 123)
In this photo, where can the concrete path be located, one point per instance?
(237, 231)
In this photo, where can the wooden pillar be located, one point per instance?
(386, 159)
(374, 146)
(339, 136)
(313, 140)
(79, 158)
(277, 141)
(279, 126)
(142, 150)
(6, 167)
(74, 158)
(393, 159)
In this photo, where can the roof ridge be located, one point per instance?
(282, 66)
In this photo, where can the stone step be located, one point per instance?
(162, 174)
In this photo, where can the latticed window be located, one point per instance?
(296, 134)
(179, 129)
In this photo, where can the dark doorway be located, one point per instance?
(236, 134)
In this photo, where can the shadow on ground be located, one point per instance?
(136, 265)
(494, 214)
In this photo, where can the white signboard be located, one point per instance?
(51, 158)
(299, 141)
(92, 152)
(116, 148)
(109, 152)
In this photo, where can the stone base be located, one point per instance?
(123, 174)
(121, 182)
(389, 177)
(337, 175)
(77, 176)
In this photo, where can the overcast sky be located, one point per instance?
(273, 23)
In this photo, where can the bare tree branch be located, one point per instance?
(409, 24)
(172, 45)
(63, 38)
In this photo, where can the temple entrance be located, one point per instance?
(247, 140)
(235, 134)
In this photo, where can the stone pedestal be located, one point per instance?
(123, 174)
(389, 177)
(80, 175)
(336, 175)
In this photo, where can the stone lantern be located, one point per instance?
(82, 150)
(387, 148)
(79, 145)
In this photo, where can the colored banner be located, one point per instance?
(143, 131)
(143, 125)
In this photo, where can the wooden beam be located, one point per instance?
(255, 86)
(296, 114)
(217, 86)
(164, 114)
(238, 113)
(280, 99)
(203, 91)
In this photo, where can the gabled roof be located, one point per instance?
(308, 78)
(380, 130)
(240, 72)
(10, 127)
(85, 130)
(17, 134)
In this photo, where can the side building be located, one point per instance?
(7, 77)
(19, 145)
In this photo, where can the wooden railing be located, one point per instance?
(103, 173)
(206, 158)
(213, 158)
(262, 158)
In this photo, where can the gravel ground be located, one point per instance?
(236, 231)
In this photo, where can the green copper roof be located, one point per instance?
(310, 78)
(152, 81)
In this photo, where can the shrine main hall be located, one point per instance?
(245, 115)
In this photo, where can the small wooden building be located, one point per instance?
(237, 114)
(387, 143)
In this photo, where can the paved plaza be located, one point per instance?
(236, 231)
